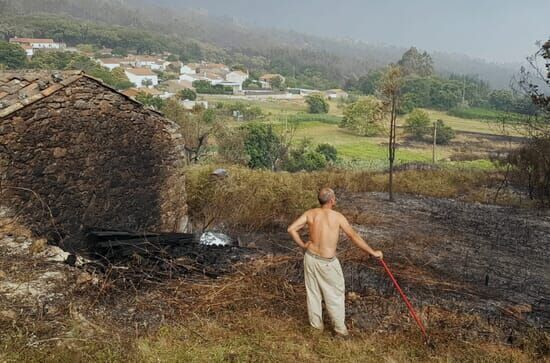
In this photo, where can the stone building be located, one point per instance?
(77, 154)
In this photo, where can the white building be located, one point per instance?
(37, 43)
(142, 76)
(236, 77)
(110, 63)
(28, 50)
(190, 68)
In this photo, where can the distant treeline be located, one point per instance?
(305, 61)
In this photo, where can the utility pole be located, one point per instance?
(435, 142)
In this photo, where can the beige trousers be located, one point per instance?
(325, 281)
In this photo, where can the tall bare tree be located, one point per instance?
(390, 91)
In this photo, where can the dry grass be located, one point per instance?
(255, 199)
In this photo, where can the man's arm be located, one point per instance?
(357, 239)
(295, 227)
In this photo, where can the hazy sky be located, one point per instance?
(502, 31)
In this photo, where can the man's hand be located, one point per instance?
(378, 254)
(307, 244)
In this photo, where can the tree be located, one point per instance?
(120, 52)
(317, 103)
(12, 56)
(364, 116)
(367, 84)
(156, 103)
(417, 124)
(444, 133)
(263, 146)
(197, 127)
(146, 82)
(390, 91)
(414, 62)
(187, 94)
(277, 83)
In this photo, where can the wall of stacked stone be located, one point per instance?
(87, 156)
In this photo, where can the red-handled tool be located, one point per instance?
(407, 302)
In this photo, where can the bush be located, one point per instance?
(418, 125)
(317, 103)
(12, 56)
(364, 116)
(305, 158)
(444, 133)
(532, 169)
(263, 146)
(330, 153)
(187, 94)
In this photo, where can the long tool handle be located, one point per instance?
(407, 302)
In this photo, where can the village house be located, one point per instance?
(36, 43)
(236, 77)
(142, 77)
(111, 63)
(334, 94)
(146, 61)
(93, 156)
(266, 79)
(174, 85)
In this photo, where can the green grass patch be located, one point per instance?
(478, 113)
(309, 117)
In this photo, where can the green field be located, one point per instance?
(371, 152)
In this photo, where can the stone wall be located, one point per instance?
(86, 156)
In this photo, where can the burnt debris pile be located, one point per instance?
(155, 257)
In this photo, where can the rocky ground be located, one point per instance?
(472, 271)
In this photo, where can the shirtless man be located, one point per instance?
(322, 271)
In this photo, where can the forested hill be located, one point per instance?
(315, 61)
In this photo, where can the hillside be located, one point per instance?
(226, 40)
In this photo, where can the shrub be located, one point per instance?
(263, 146)
(364, 116)
(444, 133)
(330, 153)
(305, 158)
(417, 124)
(187, 94)
(532, 168)
(317, 103)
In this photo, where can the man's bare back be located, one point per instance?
(324, 226)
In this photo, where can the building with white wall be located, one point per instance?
(141, 76)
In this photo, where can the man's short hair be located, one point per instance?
(325, 195)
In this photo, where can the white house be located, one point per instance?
(37, 43)
(141, 76)
(236, 77)
(192, 78)
(28, 50)
(190, 68)
(110, 63)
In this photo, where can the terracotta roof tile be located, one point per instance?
(25, 87)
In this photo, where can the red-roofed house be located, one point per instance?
(36, 43)
(141, 76)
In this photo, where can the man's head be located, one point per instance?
(327, 197)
